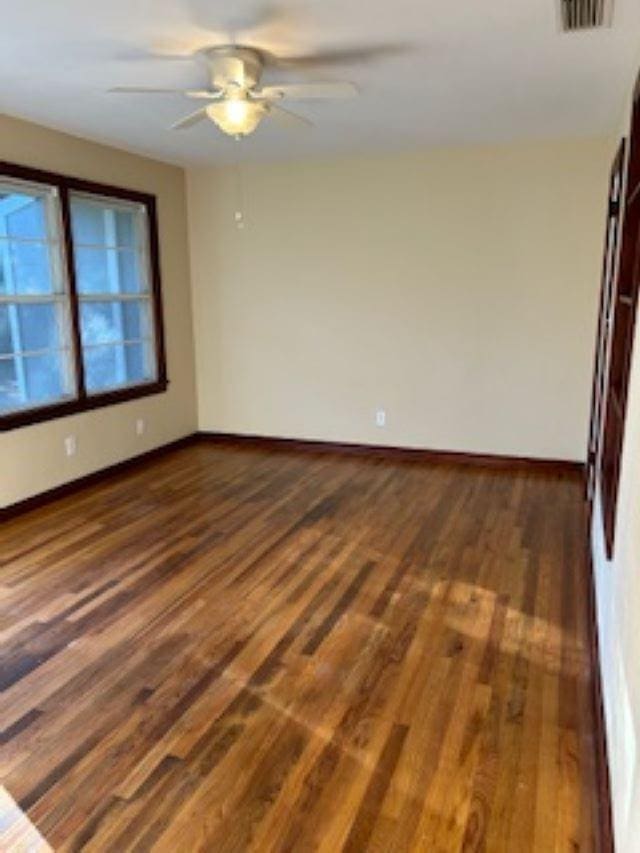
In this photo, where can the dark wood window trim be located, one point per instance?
(605, 317)
(84, 402)
(625, 304)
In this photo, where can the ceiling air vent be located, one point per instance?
(585, 14)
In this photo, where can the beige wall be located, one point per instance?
(32, 459)
(618, 602)
(457, 288)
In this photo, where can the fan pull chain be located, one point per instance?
(239, 192)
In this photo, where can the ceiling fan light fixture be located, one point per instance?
(237, 116)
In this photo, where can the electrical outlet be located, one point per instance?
(70, 445)
(140, 426)
(381, 418)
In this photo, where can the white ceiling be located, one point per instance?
(472, 70)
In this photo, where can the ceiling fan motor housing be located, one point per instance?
(235, 67)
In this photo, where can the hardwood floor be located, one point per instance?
(233, 649)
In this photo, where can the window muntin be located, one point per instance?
(36, 364)
(112, 270)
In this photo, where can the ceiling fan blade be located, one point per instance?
(308, 91)
(190, 120)
(143, 90)
(198, 94)
(355, 55)
(168, 52)
(204, 94)
(285, 118)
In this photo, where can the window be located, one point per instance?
(80, 312)
(35, 330)
(112, 281)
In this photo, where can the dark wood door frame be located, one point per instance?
(605, 317)
(623, 322)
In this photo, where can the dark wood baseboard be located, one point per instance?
(91, 479)
(407, 453)
(241, 440)
(602, 753)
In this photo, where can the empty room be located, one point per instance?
(320, 426)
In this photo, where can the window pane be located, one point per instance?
(30, 381)
(24, 215)
(25, 269)
(104, 322)
(132, 278)
(39, 327)
(109, 271)
(44, 375)
(9, 397)
(6, 340)
(127, 226)
(92, 271)
(99, 224)
(117, 365)
(139, 363)
(24, 328)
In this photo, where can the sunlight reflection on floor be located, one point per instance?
(17, 833)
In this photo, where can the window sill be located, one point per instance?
(29, 417)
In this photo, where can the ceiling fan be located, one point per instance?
(235, 100)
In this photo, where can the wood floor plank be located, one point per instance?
(237, 649)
